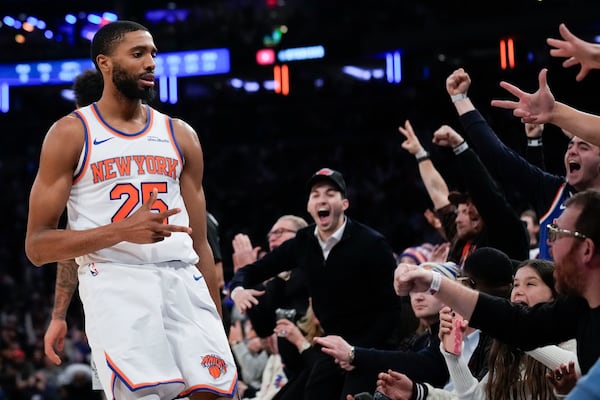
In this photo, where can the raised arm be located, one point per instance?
(243, 251)
(505, 164)
(540, 107)
(534, 152)
(457, 86)
(433, 181)
(460, 298)
(505, 229)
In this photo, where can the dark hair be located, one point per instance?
(88, 87)
(545, 269)
(110, 34)
(508, 364)
(587, 222)
(491, 270)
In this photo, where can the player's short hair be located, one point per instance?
(110, 35)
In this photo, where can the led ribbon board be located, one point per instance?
(177, 64)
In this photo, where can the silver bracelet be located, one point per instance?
(436, 282)
(534, 142)
(421, 153)
(460, 148)
(457, 97)
(351, 354)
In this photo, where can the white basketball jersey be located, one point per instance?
(117, 172)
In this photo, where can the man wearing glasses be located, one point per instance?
(287, 290)
(349, 269)
(575, 247)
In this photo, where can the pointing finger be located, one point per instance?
(167, 229)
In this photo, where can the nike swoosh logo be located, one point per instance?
(197, 278)
(562, 207)
(96, 141)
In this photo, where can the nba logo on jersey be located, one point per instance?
(93, 269)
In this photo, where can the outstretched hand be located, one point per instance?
(338, 348)
(534, 107)
(243, 252)
(395, 385)
(245, 299)
(148, 226)
(440, 252)
(576, 51)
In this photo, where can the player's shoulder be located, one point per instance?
(68, 122)
(184, 132)
(69, 127)
(182, 125)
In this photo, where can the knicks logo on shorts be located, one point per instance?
(93, 269)
(215, 364)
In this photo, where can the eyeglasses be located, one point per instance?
(466, 281)
(278, 232)
(553, 232)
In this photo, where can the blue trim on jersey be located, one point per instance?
(555, 210)
(86, 146)
(172, 130)
(143, 130)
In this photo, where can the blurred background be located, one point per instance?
(277, 89)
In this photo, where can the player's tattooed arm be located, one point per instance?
(66, 283)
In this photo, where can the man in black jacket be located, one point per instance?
(487, 270)
(575, 246)
(349, 268)
(545, 192)
(484, 217)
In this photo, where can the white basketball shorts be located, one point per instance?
(155, 328)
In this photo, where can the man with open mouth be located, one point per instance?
(349, 269)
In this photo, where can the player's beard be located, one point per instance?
(569, 278)
(128, 85)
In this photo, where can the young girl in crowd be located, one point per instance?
(514, 374)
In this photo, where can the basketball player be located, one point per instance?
(131, 179)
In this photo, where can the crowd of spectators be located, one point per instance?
(259, 150)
